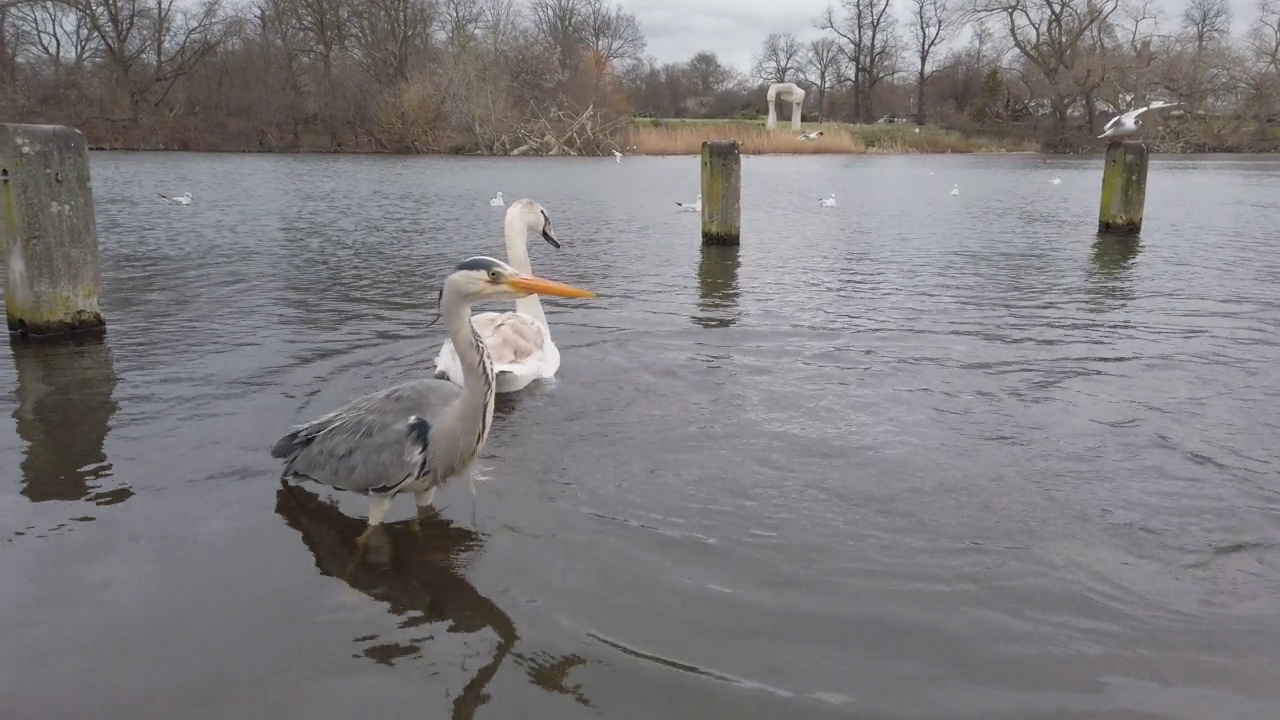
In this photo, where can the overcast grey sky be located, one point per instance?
(734, 29)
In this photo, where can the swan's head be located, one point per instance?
(533, 216)
(485, 278)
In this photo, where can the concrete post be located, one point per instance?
(721, 192)
(1124, 188)
(50, 238)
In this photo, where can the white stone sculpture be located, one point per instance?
(786, 92)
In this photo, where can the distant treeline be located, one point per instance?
(566, 76)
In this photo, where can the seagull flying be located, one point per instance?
(811, 135)
(617, 156)
(184, 199)
(1128, 123)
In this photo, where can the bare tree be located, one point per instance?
(706, 75)
(931, 24)
(1052, 36)
(780, 59)
(559, 24)
(388, 34)
(1207, 22)
(822, 68)
(610, 34)
(868, 47)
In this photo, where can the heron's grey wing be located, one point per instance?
(373, 443)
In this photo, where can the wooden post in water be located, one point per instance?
(50, 238)
(721, 192)
(1124, 188)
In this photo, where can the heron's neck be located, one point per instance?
(517, 233)
(477, 367)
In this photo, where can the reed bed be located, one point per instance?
(677, 137)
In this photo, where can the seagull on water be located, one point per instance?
(955, 189)
(184, 199)
(828, 202)
(1128, 123)
(1057, 180)
(695, 206)
(497, 200)
(617, 156)
(811, 135)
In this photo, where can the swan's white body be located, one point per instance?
(183, 199)
(497, 200)
(828, 202)
(695, 206)
(955, 189)
(519, 342)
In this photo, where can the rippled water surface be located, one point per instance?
(916, 456)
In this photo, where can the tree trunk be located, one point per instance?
(920, 93)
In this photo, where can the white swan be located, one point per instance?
(519, 342)
(955, 189)
(497, 200)
(184, 199)
(828, 202)
(695, 206)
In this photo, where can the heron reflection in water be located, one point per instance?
(416, 568)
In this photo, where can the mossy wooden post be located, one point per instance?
(1124, 188)
(721, 192)
(50, 239)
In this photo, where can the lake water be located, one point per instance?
(915, 456)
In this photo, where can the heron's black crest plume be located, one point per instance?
(439, 299)
(479, 262)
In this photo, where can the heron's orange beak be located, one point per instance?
(539, 286)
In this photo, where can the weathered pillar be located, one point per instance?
(721, 192)
(1124, 188)
(50, 239)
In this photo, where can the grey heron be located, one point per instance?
(518, 342)
(416, 436)
(1128, 123)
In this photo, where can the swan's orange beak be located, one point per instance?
(539, 286)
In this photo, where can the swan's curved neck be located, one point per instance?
(517, 232)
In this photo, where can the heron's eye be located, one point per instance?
(493, 274)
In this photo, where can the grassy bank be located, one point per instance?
(685, 137)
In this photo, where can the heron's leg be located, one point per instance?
(424, 497)
(378, 507)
